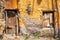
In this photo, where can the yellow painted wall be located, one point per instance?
(36, 9)
(59, 10)
(11, 4)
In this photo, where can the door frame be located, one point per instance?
(17, 13)
(53, 20)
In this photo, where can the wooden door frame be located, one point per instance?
(16, 10)
(51, 11)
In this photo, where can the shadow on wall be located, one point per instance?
(39, 1)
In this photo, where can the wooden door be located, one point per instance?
(11, 21)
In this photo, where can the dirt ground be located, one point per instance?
(28, 38)
(40, 38)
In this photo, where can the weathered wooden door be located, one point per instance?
(49, 18)
(11, 21)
